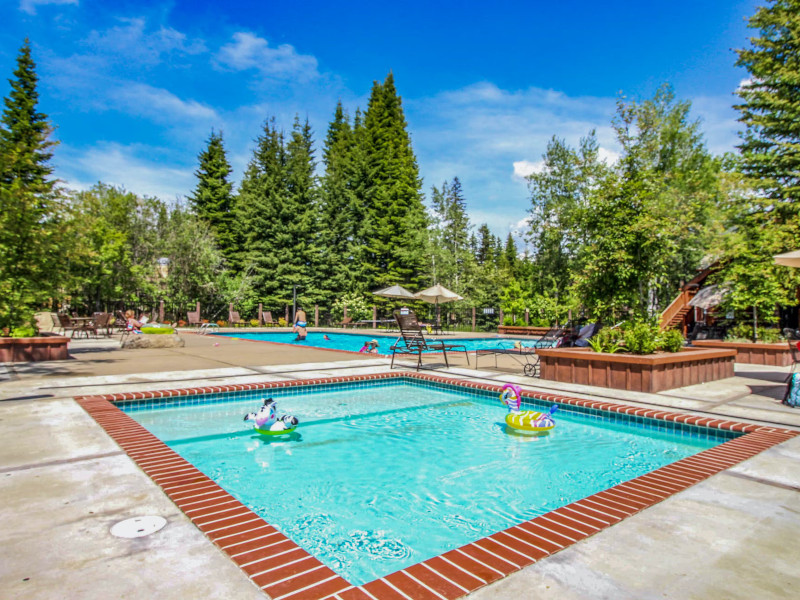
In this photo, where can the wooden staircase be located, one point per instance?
(673, 315)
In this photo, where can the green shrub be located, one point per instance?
(158, 330)
(741, 332)
(508, 320)
(642, 338)
(24, 331)
(769, 335)
(671, 341)
(607, 340)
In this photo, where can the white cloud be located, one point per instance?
(608, 156)
(127, 167)
(523, 168)
(248, 51)
(132, 41)
(29, 6)
(158, 104)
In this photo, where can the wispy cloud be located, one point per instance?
(136, 168)
(248, 51)
(29, 6)
(133, 40)
(158, 104)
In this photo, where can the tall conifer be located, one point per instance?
(259, 204)
(771, 108)
(28, 200)
(213, 198)
(397, 248)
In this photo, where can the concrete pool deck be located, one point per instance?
(734, 535)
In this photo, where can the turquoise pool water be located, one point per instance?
(354, 341)
(379, 476)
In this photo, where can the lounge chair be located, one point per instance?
(66, 324)
(235, 320)
(522, 354)
(551, 338)
(267, 319)
(412, 340)
(193, 318)
(346, 321)
(102, 322)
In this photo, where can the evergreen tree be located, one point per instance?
(342, 211)
(28, 201)
(453, 259)
(396, 248)
(260, 199)
(510, 254)
(296, 241)
(484, 253)
(771, 103)
(213, 198)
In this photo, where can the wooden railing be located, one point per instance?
(673, 310)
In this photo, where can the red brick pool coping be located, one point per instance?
(283, 570)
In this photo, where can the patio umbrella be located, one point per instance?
(395, 291)
(709, 297)
(788, 259)
(436, 295)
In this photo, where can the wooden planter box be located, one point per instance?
(651, 373)
(50, 347)
(777, 355)
(522, 330)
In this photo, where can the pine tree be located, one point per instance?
(261, 196)
(213, 198)
(397, 246)
(771, 108)
(296, 241)
(28, 201)
(341, 220)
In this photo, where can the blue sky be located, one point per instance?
(135, 88)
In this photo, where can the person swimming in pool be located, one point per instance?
(300, 325)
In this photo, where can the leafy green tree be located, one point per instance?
(29, 201)
(396, 247)
(213, 198)
(647, 227)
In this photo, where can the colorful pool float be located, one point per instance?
(266, 421)
(525, 420)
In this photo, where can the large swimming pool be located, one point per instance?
(383, 475)
(355, 341)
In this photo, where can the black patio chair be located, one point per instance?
(412, 340)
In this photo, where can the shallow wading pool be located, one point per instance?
(388, 476)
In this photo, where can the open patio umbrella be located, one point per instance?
(709, 297)
(438, 294)
(788, 259)
(395, 291)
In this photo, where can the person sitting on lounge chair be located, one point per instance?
(131, 323)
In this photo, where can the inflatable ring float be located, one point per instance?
(525, 420)
(266, 421)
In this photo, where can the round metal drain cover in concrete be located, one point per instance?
(138, 527)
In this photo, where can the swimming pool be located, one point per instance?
(383, 475)
(354, 341)
(284, 570)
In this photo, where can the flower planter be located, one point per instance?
(32, 349)
(650, 373)
(522, 330)
(777, 355)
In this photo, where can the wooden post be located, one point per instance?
(316, 315)
(230, 310)
(501, 317)
(260, 314)
(473, 318)
(161, 311)
(374, 316)
(527, 318)
(345, 312)
(197, 308)
(287, 314)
